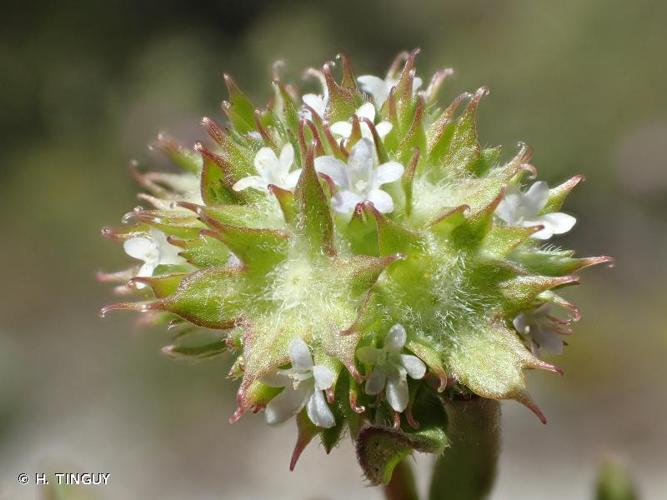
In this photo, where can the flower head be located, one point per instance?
(269, 268)
(524, 209)
(379, 88)
(271, 170)
(391, 368)
(543, 329)
(367, 111)
(304, 385)
(154, 250)
(360, 179)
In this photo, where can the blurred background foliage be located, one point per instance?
(85, 85)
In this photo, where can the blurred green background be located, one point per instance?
(85, 85)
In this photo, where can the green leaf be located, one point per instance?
(212, 298)
(558, 194)
(415, 136)
(203, 351)
(216, 180)
(361, 232)
(550, 263)
(520, 292)
(501, 239)
(240, 110)
(163, 285)
(306, 432)
(314, 220)
(185, 158)
(204, 251)
(343, 101)
(258, 249)
(489, 360)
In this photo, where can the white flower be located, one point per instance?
(304, 385)
(318, 102)
(271, 170)
(390, 368)
(379, 88)
(359, 180)
(344, 129)
(154, 250)
(543, 329)
(523, 209)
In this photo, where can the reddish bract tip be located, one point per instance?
(236, 416)
(213, 129)
(410, 418)
(193, 207)
(603, 259)
(356, 408)
(397, 421)
(330, 395)
(129, 306)
(543, 365)
(527, 401)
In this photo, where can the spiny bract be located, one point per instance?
(359, 253)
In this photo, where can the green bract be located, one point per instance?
(389, 219)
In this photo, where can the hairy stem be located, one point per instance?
(402, 485)
(467, 469)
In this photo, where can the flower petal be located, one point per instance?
(287, 404)
(397, 392)
(266, 162)
(536, 197)
(366, 111)
(558, 222)
(542, 234)
(388, 172)
(521, 324)
(382, 201)
(317, 102)
(383, 128)
(509, 206)
(146, 270)
(362, 157)
(286, 159)
(416, 83)
(368, 354)
(252, 181)
(141, 247)
(548, 340)
(168, 253)
(413, 365)
(376, 87)
(395, 339)
(324, 377)
(292, 179)
(319, 412)
(343, 129)
(375, 382)
(299, 355)
(345, 201)
(334, 168)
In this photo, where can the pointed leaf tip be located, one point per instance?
(129, 306)
(525, 399)
(558, 194)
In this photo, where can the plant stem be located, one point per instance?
(467, 469)
(402, 485)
